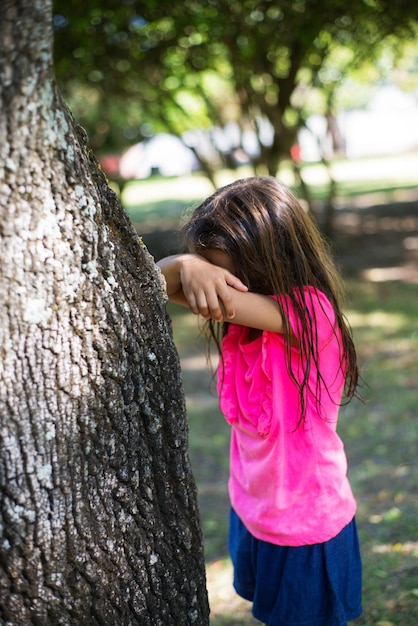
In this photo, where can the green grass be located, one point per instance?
(159, 203)
(381, 438)
(380, 434)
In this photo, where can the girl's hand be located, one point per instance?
(205, 287)
(202, 286)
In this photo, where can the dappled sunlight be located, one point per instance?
(369, 216)
(410, 243)
(387, 526)
(406, 273)
(227, 608)
(408, 548)
(390, 515)
(399, 169)
(182, 188)
(388, 321)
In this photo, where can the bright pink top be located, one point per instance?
(288, 484)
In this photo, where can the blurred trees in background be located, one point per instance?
(234, 79)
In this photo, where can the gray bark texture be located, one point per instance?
(99, 521)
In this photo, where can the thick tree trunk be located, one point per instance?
(98, 520)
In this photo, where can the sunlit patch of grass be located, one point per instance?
(359, 176)
(159, 188)
(377, 319)
(227, 608)
(161, 203)
(155, 205)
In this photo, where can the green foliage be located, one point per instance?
(162, 66)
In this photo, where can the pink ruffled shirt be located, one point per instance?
(288, 484)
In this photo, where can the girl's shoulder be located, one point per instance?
(306, 299)
(308, 305)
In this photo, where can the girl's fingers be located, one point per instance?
(225, 303)
(235, 282)
(209, 306)
(191, 302)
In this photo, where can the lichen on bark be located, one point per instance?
(98, 520)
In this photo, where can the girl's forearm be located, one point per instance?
(194, 282)
(170, 267)
(247, 309)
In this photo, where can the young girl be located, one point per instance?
(259, 271)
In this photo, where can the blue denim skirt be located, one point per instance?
(316, 585)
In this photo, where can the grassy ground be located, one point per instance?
(381, 439)
(377, 247)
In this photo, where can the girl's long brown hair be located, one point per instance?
(276, 249)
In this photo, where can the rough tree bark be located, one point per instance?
(98, 520)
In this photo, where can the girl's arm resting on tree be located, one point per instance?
(214, 292)
(194, 282)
